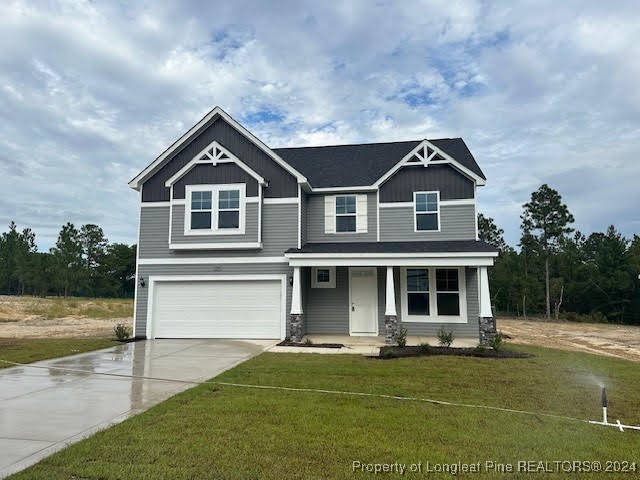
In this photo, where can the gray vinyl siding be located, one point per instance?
(315, 222)
(457, 222)
(281, 183)
(223, 173)
(279, 233)
(460, 330)
(326, 310)
(447, 180)
(304, 201)
(250, 232)
(146, 271)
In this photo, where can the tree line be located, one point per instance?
(561, 272)
(82, 263)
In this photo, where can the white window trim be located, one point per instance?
(354, 215)
(332, 278)
(215, 189)
(415, 212)
(433, 316)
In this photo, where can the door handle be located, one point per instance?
(353, 307)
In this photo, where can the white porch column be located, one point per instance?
(485, 297)
(390, 308)
(296, 293)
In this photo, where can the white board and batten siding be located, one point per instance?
(217, 307)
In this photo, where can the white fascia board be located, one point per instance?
(211, 260)
(137, 180)
(449, 160)
(154, 204)
(216, 246)
(394, 255)
(196, 161)
(370, 188)
(392, 262)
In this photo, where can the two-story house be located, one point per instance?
(239, 240)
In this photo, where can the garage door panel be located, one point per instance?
(217, 309)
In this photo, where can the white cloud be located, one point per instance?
(92, 92)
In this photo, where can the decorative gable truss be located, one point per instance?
(426, 153)
(214, 154)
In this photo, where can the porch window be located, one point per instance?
(432, 294)
(427, 211)
(418, 291)
(345, 213)
(323, 277)
(447, 291)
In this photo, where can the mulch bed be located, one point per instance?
(388, 352)
(288, 343)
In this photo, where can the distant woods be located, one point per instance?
(561, 273)
(82, 263)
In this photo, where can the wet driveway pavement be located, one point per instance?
(43, 410)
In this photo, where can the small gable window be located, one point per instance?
(427, 211)
(201, 210)
(345, 213)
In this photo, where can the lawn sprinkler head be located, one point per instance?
(604, 405)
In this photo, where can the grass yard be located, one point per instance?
(227, 432)
(34, 349)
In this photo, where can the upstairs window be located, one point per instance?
(229, 209)
(215, 209)
(427, 211)
(201, 210)
(345, 213)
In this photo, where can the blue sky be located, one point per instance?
(542, 92)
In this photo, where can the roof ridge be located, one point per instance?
(349, 144)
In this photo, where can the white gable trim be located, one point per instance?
(136, 182)
(420, 151)
(213, 154)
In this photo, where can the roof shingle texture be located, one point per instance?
(363, 164)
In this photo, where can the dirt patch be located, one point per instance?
(620, 341)
(30, 317)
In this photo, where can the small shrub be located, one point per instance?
(122, 332)
(496, 341)
(424, 347)
(479, 349)
(445, 338)
(307, 341)
(400, 337)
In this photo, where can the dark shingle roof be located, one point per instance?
(365, 163)
(438, 246)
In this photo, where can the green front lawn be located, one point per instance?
(217, 431)
(33, 349)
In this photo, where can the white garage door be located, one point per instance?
(217, 309)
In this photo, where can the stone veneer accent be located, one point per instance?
(297, 327)
(391, 327)
(487, 329)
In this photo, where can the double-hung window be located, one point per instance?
(427, 211)
(201, 210)
(345, 213)
(215, 209)
(228, 209)
(433, 295)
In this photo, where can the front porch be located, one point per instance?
(367, 296)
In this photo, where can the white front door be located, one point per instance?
(363, 296)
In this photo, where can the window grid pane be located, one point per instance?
(345, 204)
(228, 199)
(322, 276)
(447, 280)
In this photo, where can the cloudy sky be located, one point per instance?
(91, 92)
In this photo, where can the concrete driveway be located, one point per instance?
(43, 410)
